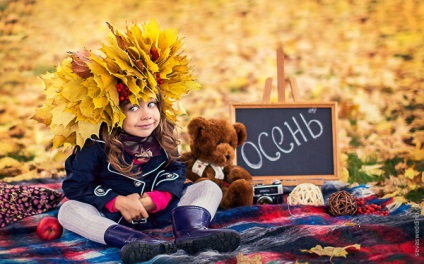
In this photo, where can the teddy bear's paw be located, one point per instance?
(239, 193)
(234, 172)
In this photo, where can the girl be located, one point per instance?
(106, 204)
(127, 177)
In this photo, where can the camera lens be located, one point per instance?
(264, 200)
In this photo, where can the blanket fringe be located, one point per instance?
(361, 191)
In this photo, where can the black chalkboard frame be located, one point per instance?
(294, 179)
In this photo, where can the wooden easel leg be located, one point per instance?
(267, 91)
(281, 83)
(295, 91)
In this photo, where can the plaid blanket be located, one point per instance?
(270, 234)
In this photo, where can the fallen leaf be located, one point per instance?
(344, 175)
(418, 152)
(410, 173)
(331, 251)
(372, 169)
(393, 194)
(11, 167)
(256, 259)
(27, 176)
(350, 224)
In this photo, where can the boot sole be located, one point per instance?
(221, 242)
(143, 251)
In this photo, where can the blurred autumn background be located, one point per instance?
(367, 55)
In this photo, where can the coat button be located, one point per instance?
(137, 184)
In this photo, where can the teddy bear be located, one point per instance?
(213, 144)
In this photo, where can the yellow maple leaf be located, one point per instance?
(74, 91)
(43, 115)
(331, 251)
(60, 116)
(86, 130)
(100, 102)
(26, 175)
(8, 162)
(372, 169)
(11, 167)
(418, 153)
(179, 108)
(393, 194)
(344, 174)
(256, 259)
(411, 185)
(410, 173)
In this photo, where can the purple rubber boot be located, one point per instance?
(135, 245)
(190, 226)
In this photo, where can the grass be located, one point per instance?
(354, 167)
(415, 195)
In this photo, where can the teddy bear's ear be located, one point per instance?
(196, 126)
(241, 133)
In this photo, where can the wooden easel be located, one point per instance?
(281, 83)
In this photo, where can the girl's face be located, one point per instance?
(141, 120)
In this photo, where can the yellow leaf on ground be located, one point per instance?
(393, 194)
(344, 175)
(410, 173)
(372, 169)
(30, 175)
(11, 167)
(400, 199)
(418, 152)
(8, 163)
(331, 251)
(297, 262)
(256, 259)
(8, 146)
(412, 185)
(350, 224)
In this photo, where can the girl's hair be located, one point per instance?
(164, 133)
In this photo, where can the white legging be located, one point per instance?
(85, 220)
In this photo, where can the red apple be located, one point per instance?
(49, 228)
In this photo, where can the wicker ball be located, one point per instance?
(306, 194)
(341, 203)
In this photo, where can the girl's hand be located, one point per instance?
(131, 207)
(147, 202)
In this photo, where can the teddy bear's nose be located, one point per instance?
(227, 157)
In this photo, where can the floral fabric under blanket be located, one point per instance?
(19, 201)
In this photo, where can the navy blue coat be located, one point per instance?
(92, 179)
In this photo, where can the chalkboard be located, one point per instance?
(292, 142)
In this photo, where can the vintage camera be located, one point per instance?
(268, 194)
